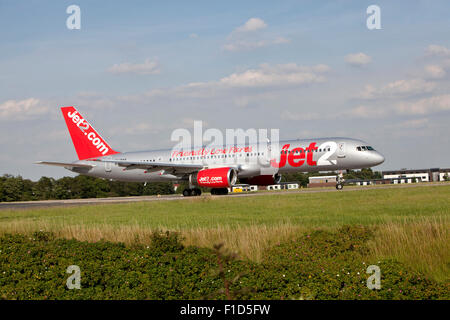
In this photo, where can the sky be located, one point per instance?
(138, 70)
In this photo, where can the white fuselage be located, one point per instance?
(306, 155)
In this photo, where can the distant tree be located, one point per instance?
(182, 186)
(44, 188)
(15, 189)
(158, 188)
(363, 174)
(84, 187)
(63, 188)
(301, 178)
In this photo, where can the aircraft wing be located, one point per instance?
(156, 166)
(65, 164)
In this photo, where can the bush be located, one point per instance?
(318, 265)
(166, 241)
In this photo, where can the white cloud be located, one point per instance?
(414, 123)
(22, 109)
(248, 88)
(282, 75)
(277, 75)
(249, 37)
(425, 106)
(252, 24)
(403, 88)
(436, 50)
(435, 71)
(358, 59)
(366, 112)
(148, 67)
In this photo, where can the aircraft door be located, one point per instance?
(108, 165)
(341, 150)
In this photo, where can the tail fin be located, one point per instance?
(87, 142)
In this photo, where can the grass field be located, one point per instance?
(411, 224)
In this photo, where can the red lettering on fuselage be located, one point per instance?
(295, 157)
(312, 147)
(282, 162)
(297, 153)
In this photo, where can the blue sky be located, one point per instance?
(140, 69)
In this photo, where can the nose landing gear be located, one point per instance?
(340, 181)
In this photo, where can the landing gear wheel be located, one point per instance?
(339, 186)
(196, 192)
(187, 192)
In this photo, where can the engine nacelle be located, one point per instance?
(262, 180)
(214, 178)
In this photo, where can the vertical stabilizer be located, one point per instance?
(87, 142)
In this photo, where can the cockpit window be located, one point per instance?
(365, 148)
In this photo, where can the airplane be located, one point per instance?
(214, 167)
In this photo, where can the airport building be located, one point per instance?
(388, 177)
(284, 186)
(322, 181)
(417, 175)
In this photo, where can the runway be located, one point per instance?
(179, 197)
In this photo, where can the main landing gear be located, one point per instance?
(219, 191)
(192, 192)
(339, 186)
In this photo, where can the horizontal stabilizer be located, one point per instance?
(65, 164)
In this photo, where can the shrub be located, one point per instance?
(317, 265)
(166, 241)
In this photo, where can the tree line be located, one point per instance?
(15, 188)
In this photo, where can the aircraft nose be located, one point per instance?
(377, 158)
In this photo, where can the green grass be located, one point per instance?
(411, 224)
(331, 209)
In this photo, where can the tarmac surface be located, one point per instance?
(113, 200)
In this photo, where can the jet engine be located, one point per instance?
(214, 178)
